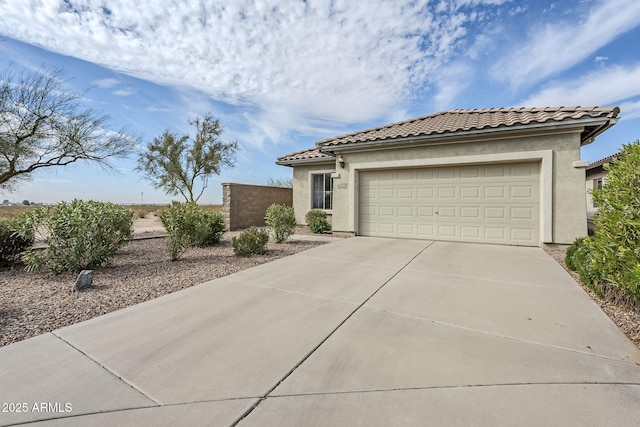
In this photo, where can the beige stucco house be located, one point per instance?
(507, 176)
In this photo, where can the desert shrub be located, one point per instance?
(319, 225)
(79, 235)
(16, 236)
(612, 254)
(251, 241)
(185, 227)
(579, 258)
(313, 214)
(281, 220)
(214, 222)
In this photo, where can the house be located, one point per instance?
(507, 176)
(595, 177)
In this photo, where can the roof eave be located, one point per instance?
(299, 162)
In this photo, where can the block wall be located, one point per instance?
(245, 205)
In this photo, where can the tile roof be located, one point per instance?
(601, 162)
(304, 155)
(454, 121)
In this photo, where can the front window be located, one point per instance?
(322, 191)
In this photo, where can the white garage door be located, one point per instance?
(476, 203)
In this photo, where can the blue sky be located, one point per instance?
(281, 75)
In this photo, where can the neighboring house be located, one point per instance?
(595, 177)
(507, 176)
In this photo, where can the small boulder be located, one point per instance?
(84, 280)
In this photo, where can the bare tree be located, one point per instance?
(174, 163)
(42, 124)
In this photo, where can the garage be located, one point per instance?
(511, 176)
(490, 203)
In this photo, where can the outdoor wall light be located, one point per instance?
(341, 161)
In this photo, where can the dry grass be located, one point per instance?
(13, 211)
(140, 210)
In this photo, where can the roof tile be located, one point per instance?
(313, 153)
(452, 121)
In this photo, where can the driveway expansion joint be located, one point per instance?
(503, 336)
(456, 386)
(313, 350)
(108, 370)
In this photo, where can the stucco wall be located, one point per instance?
(245, 205)
(302, 189)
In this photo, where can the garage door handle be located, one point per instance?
(437, 213)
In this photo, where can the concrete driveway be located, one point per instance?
(363, 331)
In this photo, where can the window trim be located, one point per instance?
(320, 172)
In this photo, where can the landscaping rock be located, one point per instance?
(84, 280)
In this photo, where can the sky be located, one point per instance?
(281, 75)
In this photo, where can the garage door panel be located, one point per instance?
(446, 174)
(492, 203)
(406, 211)
(406, 193)
(521, 234)
(445, 231)
(470, 212)
(493, 192)
(426, 211)
(495, 212)
(470, 172)
(447, 192)
(522, 213)
(425, 193)
(470, 232)
(426, 231)
(388, 211)
(472, 193)
(406, 230)
(447, 212)
(521, 192)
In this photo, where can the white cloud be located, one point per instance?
(630, 110)
(553, 48)
(106, 83)
(340, 62)
(122, 92)
(602, 87)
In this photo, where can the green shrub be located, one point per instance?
(15, 238)
(319, 225)
(188, 225)
(580, 258)
(251, 241)
(311, 216)
(79, 235)
(214, 222)
(281, 220)
(612, 254)
(185, 226)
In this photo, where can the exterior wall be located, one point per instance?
(563, 184)
(302, 189)
(245, 205)
(591, 175)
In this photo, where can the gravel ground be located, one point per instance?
(624, 313)
(35, 303)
